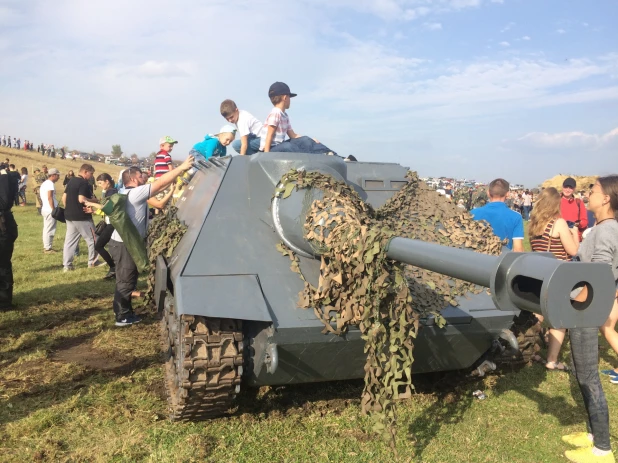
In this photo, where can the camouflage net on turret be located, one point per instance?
(358, 285)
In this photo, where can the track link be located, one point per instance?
(203, 365)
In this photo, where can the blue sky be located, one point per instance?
(520, 89)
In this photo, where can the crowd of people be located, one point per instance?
(559, 224)
(571, 228)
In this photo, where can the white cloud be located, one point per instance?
(508, 27)
(525, 37)
(560, 31)
(432, 26)
(497, 1)
(505, 44)
(585, 24)
(566, 141)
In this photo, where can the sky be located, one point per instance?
(476, 89)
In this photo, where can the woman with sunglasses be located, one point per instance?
(601, 245)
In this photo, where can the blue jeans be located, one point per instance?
(301, 145)
(253, 143)
(585, 354)
(527, 210)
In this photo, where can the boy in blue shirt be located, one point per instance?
(214, 145)
(504, 222)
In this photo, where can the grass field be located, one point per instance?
(75, 388)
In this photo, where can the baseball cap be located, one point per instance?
(167, 139)
(227, 128)
(569, 183)
(279, 88)
(53, 171)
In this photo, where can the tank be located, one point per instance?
(229, 300)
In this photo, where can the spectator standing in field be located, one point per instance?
(79, 222)
(526, 205)
(277, 134)
(23, 184)
(18, 143)
(573, 210)
(70, 174)
(163, 160)
(600, 245)
(249, 128)
(505, 223)
(138, 194)
(106, 183)
(548, 232)
(39, 178)
(8, 234)
(48, 198)
(8, 142)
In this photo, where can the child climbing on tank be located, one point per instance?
(249, 128)
(277, 134)
(214, 145)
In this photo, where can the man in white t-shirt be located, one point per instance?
(138, 193)
(49, 203)
(249, 128)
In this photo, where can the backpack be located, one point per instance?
(116, 211)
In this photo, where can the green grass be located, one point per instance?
(74, 388)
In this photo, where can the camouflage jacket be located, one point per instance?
(40, 178)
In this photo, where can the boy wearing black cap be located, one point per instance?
(571, 208)
(277, 134)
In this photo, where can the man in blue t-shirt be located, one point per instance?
(504, 222)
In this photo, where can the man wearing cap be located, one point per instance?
(572, 209)
(49, 203)
(163, 160)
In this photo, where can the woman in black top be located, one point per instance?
(105, 182)
(68, 177)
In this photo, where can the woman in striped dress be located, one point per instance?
(549, 232)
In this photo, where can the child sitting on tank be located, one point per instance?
(249, 128)
(214, 145)
(277, 134)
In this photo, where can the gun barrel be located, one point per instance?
(537, 282)
(465, 265)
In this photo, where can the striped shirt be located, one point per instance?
(163, 161)
(547, 243)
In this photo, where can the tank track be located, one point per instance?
(203, 366)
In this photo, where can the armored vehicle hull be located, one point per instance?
(229, 299)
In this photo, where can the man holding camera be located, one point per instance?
(572, 209)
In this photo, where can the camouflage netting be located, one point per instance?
(358, 285)
(164, 233)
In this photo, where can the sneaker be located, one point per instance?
(586, 456)
(578, 439)
(49, 251)
(111, 274)
(613, 379)
(96, 263)
(609, 372)
(129, 320)
(68, 269)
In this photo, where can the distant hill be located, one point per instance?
(582, 181)
(32, 159)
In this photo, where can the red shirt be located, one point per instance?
(573, 210)
(163, 163)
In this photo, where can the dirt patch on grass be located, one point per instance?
(81, 352)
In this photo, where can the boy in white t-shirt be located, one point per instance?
(277, 134)
(49, 203)
(248, 128)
